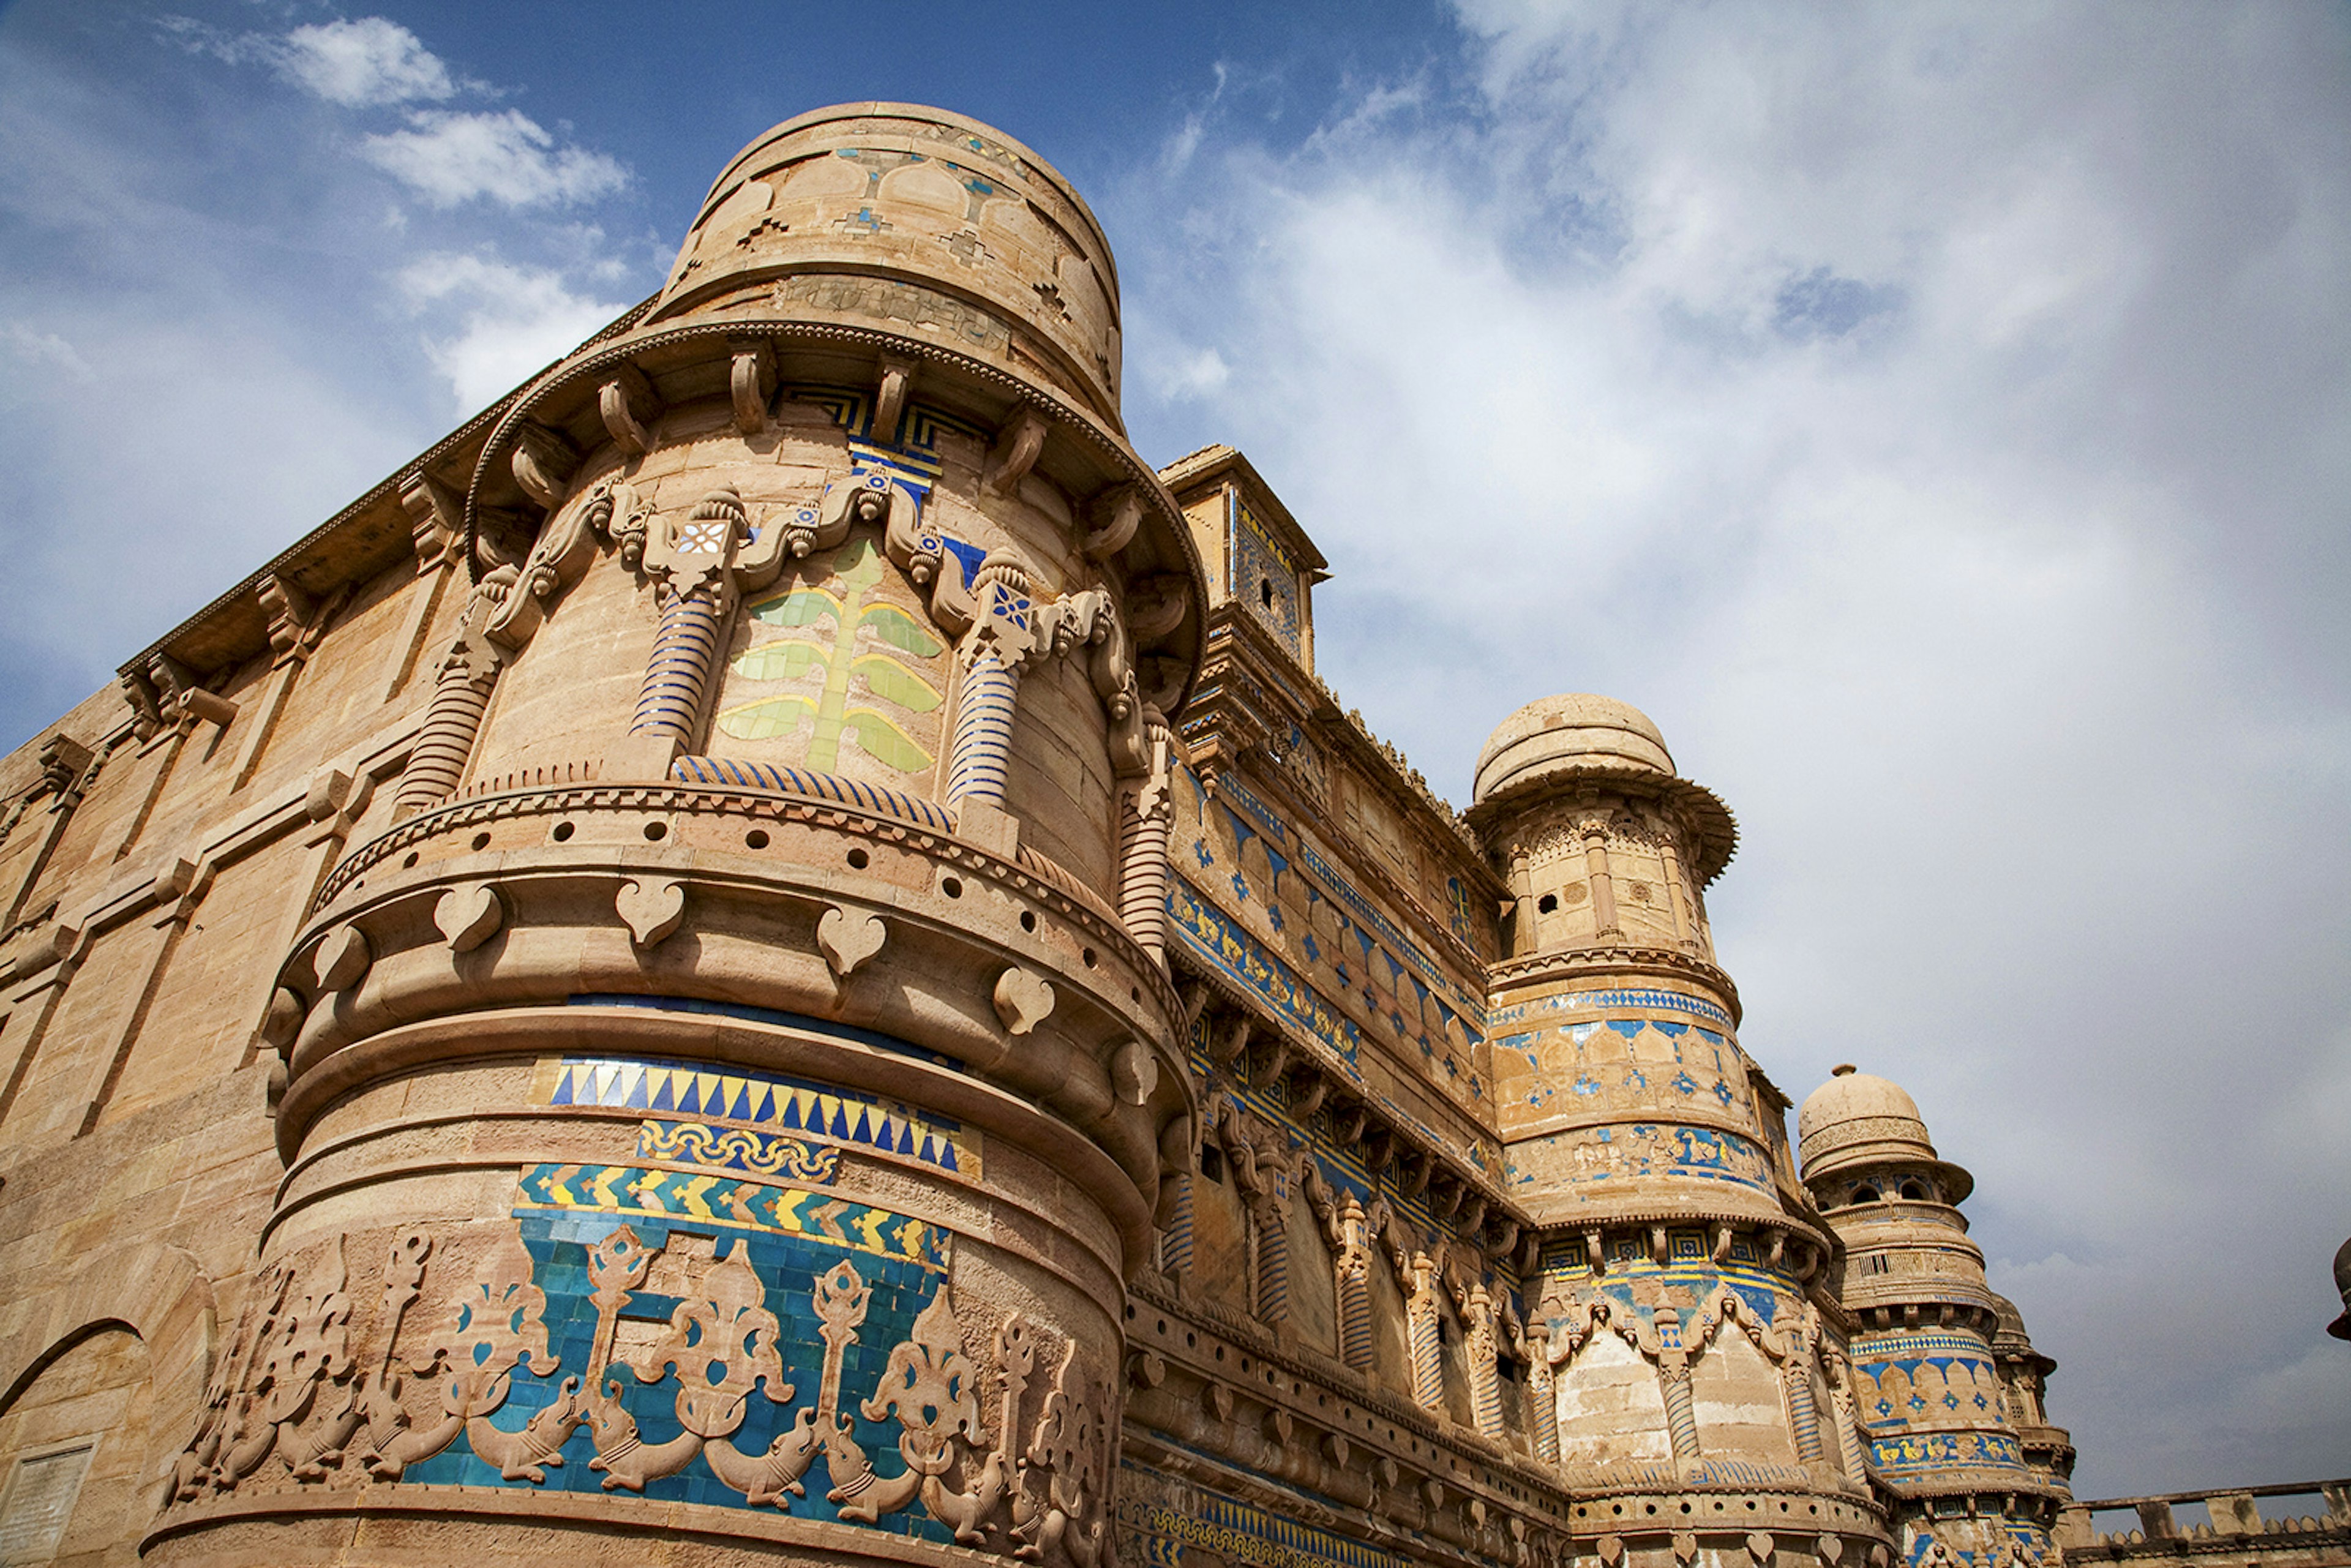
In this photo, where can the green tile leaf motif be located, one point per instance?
(881, 739)
(779, 661)
(894, 683)
(800, 607)
(828, 715)
(767, 719)
(900, 630)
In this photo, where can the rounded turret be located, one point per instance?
(1944, 1381)
(2025, 1374)
(785, 840)
(1858, 1120)
(1871, 1168)
(916, 221)
(1638, 1129)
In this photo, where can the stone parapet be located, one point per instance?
(2274, 1526)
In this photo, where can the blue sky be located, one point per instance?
(1935, 416)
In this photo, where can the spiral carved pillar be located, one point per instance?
(1146, 821)
(983, 728)
(452, 721)
(1005, 638)
(677, 674)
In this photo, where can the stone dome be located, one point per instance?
(1577, 732)
(914, 221)
(2009, 1339)
(1860, 1119)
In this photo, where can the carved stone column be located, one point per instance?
(501, 613)
(452, 721)
(1269, 1235)
(1804, 1413)
(1424, 1336)
(1542, 1394)
(1146, 817)
(1482, 1352)
(1353, 1269)
(1674, 897)
(1002, 640)
(1852, 1452)
(1175, 1239)
(1595, 831)
(677, 673)
(1681, 1414)
(690, 566)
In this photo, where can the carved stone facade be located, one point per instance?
(774, 950)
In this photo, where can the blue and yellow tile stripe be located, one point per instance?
(816, 1111)
(1206, 930)
(644, 1193)
(1925, 1453)
(1650, 997)
(1636, 1281)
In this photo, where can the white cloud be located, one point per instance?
(1180, 373)
(507, 321)
(1175, 154)
(358, 64)
(44, 351)
(448, 157)
(1937, 419)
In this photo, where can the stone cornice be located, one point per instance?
(1318, 1057)
(1054, 891)
(1574, 963)
(1711, 823)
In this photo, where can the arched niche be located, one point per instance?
(1611, 1410)
(1220, 1228)
(114, 1367)
(1391, 1330)
(1735, 1395)
(74, 1450)
(1314, 1278)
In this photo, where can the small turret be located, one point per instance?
(1945, 1383)
(1577, 801)
(2025, 1374)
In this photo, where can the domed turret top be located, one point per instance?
(1578, 737)
(915, 222)
(1577, 732)
(1860, 1119)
